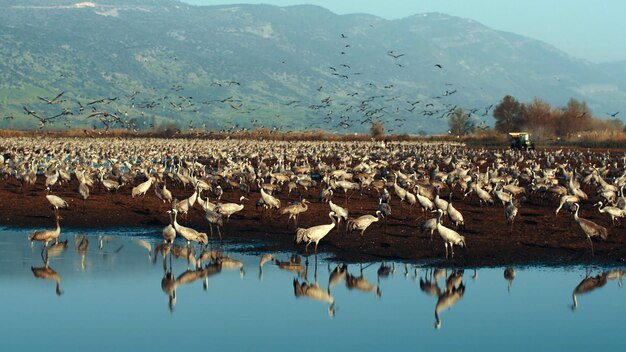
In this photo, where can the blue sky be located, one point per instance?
(591, 30)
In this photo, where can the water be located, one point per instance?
(113, 299)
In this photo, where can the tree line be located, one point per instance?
(537, 118)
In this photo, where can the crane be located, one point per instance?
(590, 228)
(315, 233)
(362, 222)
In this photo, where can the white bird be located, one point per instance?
(169, 233)
(294, 211)
(362, 222)
(441, 203)
(567, 199)
(271, 201)
(315, 233)
(504, 197)
(341, 213)
(205, 203)
(109, 184)
(614, 212)
(142, 188)
(56, 202)
(229, 209)
(455, 216)
(184, 205)
(410, 198)
(449, 236)
(483, 196)
(425, 203)
(216, 219)
(166, 194)
(52, 179)
(400, 192)
(510, 212)
(189, 234)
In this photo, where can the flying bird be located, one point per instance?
(390, 53)
(54, 100)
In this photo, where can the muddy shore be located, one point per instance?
(538, 235)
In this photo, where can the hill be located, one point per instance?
(144, 63)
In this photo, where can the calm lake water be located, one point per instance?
(118, 297)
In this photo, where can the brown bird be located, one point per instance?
(590, 228)
(46, 236)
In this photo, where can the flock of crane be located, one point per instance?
(416, 174)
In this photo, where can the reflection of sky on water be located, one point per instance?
(117, 302)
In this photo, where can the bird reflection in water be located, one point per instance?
(81, 245)
(588, 284)
(337, 276)
(265, 258)
(616, 274)
(147, 246)
(169, 284)
(509, 275)
(228, 263)
(164, 249)
(294, 264)
(429, 285)
(57, 249)
(314, 292)
(385, 270)
(102, 240)
(47, 273)
(454, 291)
(360, 283)
(184, 252)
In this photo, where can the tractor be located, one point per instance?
(521, 141)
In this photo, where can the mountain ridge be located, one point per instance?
(246, 66)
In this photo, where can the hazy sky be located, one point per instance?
(589, 29)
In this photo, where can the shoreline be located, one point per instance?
(558, 240)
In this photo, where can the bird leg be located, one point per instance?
(44, 258)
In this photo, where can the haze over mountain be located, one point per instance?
(247, 66)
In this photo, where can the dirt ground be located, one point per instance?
(537, 237)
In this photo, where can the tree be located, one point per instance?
(575, 117)
(541, 119)
(461, 123)
(509, 115)
(377, 131)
